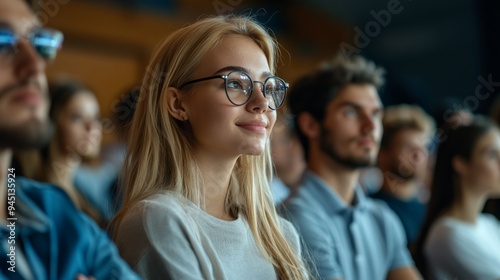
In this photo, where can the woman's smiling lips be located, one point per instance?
(254, 126)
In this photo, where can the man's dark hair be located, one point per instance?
(312, 93)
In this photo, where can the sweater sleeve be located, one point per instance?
(157, 240)
(291, 235)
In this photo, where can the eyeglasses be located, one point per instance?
(239, 88)
(45, 41)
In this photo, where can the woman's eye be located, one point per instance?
(234, 84)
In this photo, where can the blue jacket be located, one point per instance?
(54, 240)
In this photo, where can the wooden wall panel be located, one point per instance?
(108, 47)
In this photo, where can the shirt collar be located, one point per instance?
(329, 199)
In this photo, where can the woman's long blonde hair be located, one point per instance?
(159, 154)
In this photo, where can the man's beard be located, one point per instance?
(32, 135)
(352, 162)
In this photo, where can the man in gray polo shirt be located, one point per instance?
(347, 235)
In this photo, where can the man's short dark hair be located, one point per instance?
(312, 93)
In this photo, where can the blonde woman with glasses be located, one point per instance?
(197, 203)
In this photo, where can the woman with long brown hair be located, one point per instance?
(457, 241)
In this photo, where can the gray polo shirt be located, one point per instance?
(360, 241)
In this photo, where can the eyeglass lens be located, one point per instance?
(239, 88)
(45, 41)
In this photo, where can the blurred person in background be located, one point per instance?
(493, 205)
(404, 162)
(448, 115)
(338, 115)
(77, 137)
(457, 241)
(43, 235)
(74, 113)
(288, 157)
(114, 153)
(123, 113)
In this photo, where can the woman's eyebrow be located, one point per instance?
(232, 68)
(228, 69)
(267, 74)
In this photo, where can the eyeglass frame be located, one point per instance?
(225, 77)
(29, 36)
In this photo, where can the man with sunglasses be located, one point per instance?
(43, 235)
